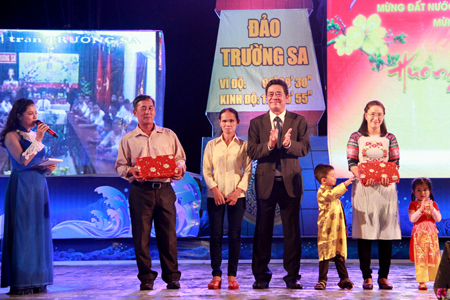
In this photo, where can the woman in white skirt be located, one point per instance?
(375, 205)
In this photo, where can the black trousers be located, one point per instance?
(158, 205)
(216, 215)
(365, 254)
(262, 242)
(340, 268)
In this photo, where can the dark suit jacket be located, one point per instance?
(258, 138)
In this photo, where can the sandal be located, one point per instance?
(215, 284)
(366, 285)
(320, 286)
(385, 285)
(423, 287)
(233, 285)
(345, 284)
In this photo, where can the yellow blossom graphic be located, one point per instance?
(344, 46)
(368, 34)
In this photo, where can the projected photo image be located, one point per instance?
(83, 84)
(49, 69)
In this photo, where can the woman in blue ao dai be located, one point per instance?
(27, 251)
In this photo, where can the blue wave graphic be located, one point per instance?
(111, 216)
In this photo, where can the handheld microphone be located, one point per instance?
(49, 130)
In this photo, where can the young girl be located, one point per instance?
(424, 248)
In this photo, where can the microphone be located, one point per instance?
(49, 130)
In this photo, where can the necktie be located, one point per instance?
(278, 126)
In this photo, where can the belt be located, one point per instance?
(152, 184)
(278, 178)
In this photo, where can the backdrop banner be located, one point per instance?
(254, 46)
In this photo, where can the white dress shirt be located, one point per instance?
(137, 143)
(43, 105)
(226, 167)
(273, 116)
(273, 124)
(97, 119)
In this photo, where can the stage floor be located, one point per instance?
(117, 280)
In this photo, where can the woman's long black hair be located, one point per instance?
(363, 128)
(12, 123)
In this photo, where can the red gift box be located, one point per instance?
(157, 166)
(378, 170)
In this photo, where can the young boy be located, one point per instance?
(332, 234)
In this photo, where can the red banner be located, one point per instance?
(99, 83)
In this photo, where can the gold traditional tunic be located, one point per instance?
(331, 236)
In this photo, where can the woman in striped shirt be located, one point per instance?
(375, 205)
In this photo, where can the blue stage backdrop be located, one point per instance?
(309, 209)
(90, 216)
(97, 207)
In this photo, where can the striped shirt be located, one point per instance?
(353, 149)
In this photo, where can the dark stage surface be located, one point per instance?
(117, 280)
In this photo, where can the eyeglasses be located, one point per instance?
(277, 94)
(373, 115)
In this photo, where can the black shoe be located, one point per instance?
(294, 284)
(173, 285)
(20, 291)
(147, 285)
(40, 289)
(260, 285)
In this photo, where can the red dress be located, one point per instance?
(424, 246)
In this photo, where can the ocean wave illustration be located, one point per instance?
(112, 222)
(111, 216)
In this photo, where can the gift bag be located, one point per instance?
(378, 170)
(157, 166)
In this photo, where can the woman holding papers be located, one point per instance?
(227, 170)
(27, 251)
(375, 207)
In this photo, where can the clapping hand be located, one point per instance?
(287, 138)
(425, 203)
(432, 208)
(273, 138)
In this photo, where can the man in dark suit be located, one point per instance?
(277, 139)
